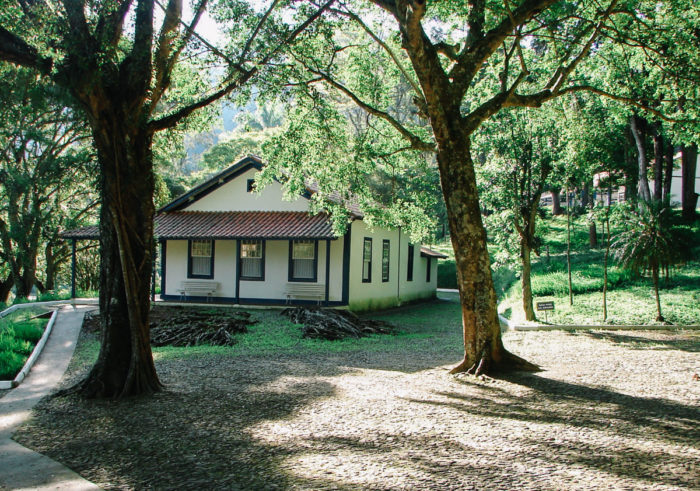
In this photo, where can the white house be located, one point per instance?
(225, 243)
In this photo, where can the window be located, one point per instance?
(409, 266)
(252, 260)
(367, 261)
(250, 185)
(303, 257)
(427, 269)
(200, 262)
(385, 260)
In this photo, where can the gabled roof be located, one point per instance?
(221, 225)
(230, 173)
(213, 183)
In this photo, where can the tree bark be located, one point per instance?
(586, 195)
(668, 170)
(51, 267)
(483, 348)
(655, 278)
(642, 162)
(525, 280)
(689, 197)
(125, 363)
(568, 246)
(658, 163)
(592, 235)
(5, 287)
(556, 202)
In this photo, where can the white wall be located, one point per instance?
(233, 196)
(378, 294)
(224, 266)
(276, 269)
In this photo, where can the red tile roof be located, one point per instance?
(231, 225)
(425, 252)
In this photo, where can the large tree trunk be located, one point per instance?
(592, 235)
(689, 197)
(631, 169)
(642, 162)
(655, 279)
(483, 348)
(51, 267)
(568, 247)
(526, 264)
(668, 170)
(658, 162)
(125, 363)
(556, 202)
(5, 288)
(586, 195)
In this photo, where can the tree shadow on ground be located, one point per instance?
(195, 434)
(556, 402)
(688, 343)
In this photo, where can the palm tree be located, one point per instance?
(648, 243)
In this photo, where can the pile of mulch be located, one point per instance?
(335, 324)
(194, 327)
(174, 326)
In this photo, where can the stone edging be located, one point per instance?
(11, 384)
(601, 327)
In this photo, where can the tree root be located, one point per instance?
(485, 364)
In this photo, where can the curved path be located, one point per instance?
(21, 468)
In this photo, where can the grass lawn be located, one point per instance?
(420, 326)
(610, 411)
(19, 333)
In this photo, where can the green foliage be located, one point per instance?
(647, 240)
(18, 336)
(447, 274)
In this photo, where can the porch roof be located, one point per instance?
(270, 225)
(425, 252)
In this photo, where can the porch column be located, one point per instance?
(72, 268)
(154, 256)
(163, 252)
(238, 271)
(328, 267)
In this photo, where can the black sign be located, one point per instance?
(545, 305)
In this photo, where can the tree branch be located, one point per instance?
(109, 26)
(245, 75)
(15, 50)
(385, 46)
(415, 142)
(473, 56)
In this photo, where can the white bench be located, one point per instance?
(305, 290)
(198, 287)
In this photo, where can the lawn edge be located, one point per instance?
(11, 384)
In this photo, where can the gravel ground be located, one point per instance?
(610, 411)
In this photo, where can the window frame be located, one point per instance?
(190, 274)
(369, 267)
(262, 261)
(386, 255)
(250, 185)
(409, 264)
(290, 267)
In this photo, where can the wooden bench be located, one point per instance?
(305, 290)
(198, 287)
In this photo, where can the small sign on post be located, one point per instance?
(545, 306)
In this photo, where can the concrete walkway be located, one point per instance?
(21, 468)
